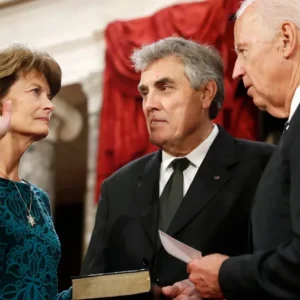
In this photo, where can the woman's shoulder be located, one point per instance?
(37, 190)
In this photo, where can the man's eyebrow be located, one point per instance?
(158, 83)
(238, 46)
(142, 88)
(163, 81)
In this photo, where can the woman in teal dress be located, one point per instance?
(29, 246)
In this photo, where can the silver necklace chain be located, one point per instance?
(30, 218)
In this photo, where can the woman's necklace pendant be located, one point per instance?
(31, 220)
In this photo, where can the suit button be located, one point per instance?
(145, 261)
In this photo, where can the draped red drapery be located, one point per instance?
(123, 134)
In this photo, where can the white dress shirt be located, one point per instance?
(196, 158)
(295, 103)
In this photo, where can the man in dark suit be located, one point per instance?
(198, 188)
(267, 36)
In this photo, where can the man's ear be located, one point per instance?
(209, 90)
(289, 38)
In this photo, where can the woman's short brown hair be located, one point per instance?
(18, 59)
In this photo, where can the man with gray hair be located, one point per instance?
(267, 39)
(198, 188)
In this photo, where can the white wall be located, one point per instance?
(71, 30)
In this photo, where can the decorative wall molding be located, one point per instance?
(92, 87)
(69, 118)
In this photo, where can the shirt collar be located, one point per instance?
(295, 103)
(196, 156)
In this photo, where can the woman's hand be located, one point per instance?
(5, 118)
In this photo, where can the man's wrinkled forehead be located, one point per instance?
(158, 80)
(166, 68)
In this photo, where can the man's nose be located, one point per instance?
(152, 101)
(238, 70)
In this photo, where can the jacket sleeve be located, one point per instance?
(275, 273)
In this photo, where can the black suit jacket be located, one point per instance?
(273, 271)
(213, 216)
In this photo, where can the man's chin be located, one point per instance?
(156, 141)
(259, 105)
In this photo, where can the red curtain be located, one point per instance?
(123, 134)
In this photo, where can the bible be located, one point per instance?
(118, 284)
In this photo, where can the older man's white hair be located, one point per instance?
(274, 12)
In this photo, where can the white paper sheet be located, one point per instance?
(178, 249)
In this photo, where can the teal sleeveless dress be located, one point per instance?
(29, 255)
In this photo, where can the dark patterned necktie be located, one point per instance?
(172, 194)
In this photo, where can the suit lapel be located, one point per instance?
(147, 197)
(214, 172)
